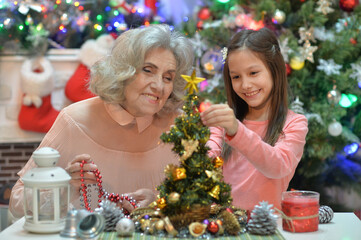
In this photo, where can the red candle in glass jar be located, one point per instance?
(301, 210)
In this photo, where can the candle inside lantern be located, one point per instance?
(301, 210)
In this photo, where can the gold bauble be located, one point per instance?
(279, 17)
(215, 192)
(179, 173)
(173, 197)
(145, 224)
(159, 225)
(196, 229)
(218, 162)
(297, 63)
(161, 203)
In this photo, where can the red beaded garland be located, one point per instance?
(101, 192)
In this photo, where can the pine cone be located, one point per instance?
(111, 213)
(263, 220)
(325, 214)
(230, 222)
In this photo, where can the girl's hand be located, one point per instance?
(143, 197)
(74, 168)
(220, 115)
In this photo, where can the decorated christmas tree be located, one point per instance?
(197, 182)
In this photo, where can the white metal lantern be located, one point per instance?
(46, 193)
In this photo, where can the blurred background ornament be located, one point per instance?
(297, 106)
(204, 13)
(348, 5)
(329, 67)
(334, 96)
(211, 61)
(279, 17)
(335, 128)
(324, 6)
(297, 63)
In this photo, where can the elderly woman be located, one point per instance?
(139, 91)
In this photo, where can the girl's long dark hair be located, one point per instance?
(265, 45)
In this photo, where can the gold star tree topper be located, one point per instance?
(192, 82)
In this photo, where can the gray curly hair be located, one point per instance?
(110, 74)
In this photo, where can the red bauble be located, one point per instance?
(204, 105)
(353, 41)
(204, 13)
(348, 5)
(213, 227)
(200, 24)
(288, 69)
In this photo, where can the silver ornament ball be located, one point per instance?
(335, 129)
(279, 17)
(125, 227)
(333, 96)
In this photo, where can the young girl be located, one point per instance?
(264, 138)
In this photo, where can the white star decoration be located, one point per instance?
(306, 35)
(285, 50)
(199, 45)
(324, 7)
(357, 71)
(329, 67)
(307, 51)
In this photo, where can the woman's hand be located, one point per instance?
(74, 168)
(143, 197)
(220, 115)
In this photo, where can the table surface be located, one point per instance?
(344, 226)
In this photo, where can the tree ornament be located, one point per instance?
(324, 7)
(288, 69)
(285, 49)
(212, 61)
(218, 162)
(348, 5)
(296, 106)
(329, 67)
(189, 146)
(279, 17)
(192, 82)
(213, 227)
(325, 214)
(179, 174)
(306, 35)
(199, 44)
(204, 105)
(215, 192)
(307, 51)
(204, 13)
(334, 96)
(196, 229)
(161, 203)
(263, 220)
(335, 128)
(125, 227)
(353, 41)
(173, 197)
(356, 74)
(111, 213)
(297, 63)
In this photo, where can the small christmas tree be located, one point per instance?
(193, 194)
(197, 181)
